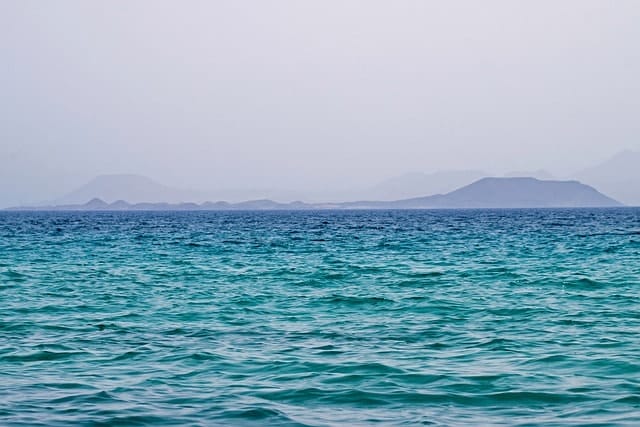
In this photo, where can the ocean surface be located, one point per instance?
(445, 318)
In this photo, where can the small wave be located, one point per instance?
(367, 368)
(233, 242)
(417, 274)
(550, 359)
(583, 283)
(356, 300)
(540, 398)
(14, 276)
(131, 354)
(41, 356)
(84, 398)
(257, 415)
(303, 396)
(628, 400)
(134, 420)
(501, 344)
(68, 386)
(205, 356)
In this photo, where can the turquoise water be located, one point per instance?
(515, 317)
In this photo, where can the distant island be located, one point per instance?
(488, 193)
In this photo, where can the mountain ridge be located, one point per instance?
(485, 193)
(135, 188)
(618, 176)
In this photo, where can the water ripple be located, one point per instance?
(444, 318)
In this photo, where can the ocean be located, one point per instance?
(321, 318)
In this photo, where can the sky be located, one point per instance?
(310, 94)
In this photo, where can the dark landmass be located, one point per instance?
(484, 193)
(506, 193)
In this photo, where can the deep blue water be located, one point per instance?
(513, 317)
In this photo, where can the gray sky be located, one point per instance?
(301, 94)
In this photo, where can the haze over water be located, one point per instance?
(503, 317)
(315, 98)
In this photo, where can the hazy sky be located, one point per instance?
(295, 94)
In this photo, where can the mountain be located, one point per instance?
(132, 188)
(138, 189)
(484, 193)
(538, 174)
(517, 193)
(504, 193)
(618, 176)
(417, 184)
(97, 204)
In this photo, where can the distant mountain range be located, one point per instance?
(504, 193)
(418, 184)
(618, 176)
(484, 193)
(134, 188)
(141, 189)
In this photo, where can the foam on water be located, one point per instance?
(513, 317)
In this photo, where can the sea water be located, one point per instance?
(476, 317)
